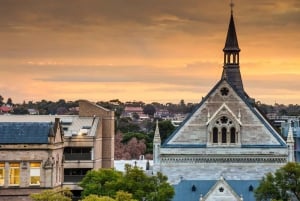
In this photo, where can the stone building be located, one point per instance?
(223, 149)
(87, 142)
(31, 156)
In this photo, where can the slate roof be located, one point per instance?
(24, 132)
(250, 104)
(231, 39)
(184, 189)
(73, 122)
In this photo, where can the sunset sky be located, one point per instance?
(145, 50)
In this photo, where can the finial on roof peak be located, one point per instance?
(231, 7)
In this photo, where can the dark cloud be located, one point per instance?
(286, 82)
(137, 35)
(77, 28)
(176, 14)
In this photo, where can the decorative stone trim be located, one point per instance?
(222, 159)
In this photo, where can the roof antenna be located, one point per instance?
(231, 6)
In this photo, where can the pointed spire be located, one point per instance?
(156, 150)
(290, 143)
(231, 68)
(231, 43)
(157, 134)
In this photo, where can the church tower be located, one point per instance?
(231, 68)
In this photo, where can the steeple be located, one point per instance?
(231, 68)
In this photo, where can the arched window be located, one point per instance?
(215, 135)
(224, 135)
(232, 135)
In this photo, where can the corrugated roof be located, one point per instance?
(183, 190)
(24, 133)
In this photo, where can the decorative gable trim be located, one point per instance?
(165, 143)
(220, 187)
(219, 110)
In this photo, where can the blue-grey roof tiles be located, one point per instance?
(185, 190)
(24, 132)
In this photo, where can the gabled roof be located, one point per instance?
(165, 144)
(220, 187)
(24, 132)
(184, 189)
(250, 104)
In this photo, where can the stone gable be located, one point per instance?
(251, 127)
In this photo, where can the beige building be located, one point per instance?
(49, 151)
(31, 156)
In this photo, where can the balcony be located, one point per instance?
(73, 178)
(78, 156)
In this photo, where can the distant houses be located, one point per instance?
(5, 109)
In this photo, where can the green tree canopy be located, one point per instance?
(52, 195)
(165, 129)
(93, 197)
(284, 184)
(109, 182)
(100, 182)
(121, 196)
(149, 109)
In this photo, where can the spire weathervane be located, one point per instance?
(231, 6)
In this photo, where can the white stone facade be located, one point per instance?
(253, 149)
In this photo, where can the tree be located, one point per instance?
(129, 145)
(93, 197)
(135, 148)
(284, 184)
(124, 196)
(52, 195)
(1, 100)
(121, 196)
(20, 110)
(134, 181)
(9, 102)
(100, 182)
(149, 109)
(127, 125)
(165, 129)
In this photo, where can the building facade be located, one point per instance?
(31, 158)
(87, 142)
(223, 149)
